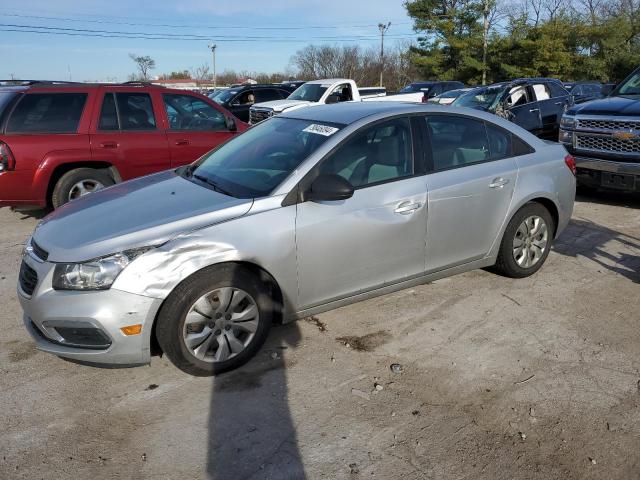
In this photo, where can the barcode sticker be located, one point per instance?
(325, 130)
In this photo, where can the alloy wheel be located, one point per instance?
(84, 187)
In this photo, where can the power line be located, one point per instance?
(217, 27)
(160, 36)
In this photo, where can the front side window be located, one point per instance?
(457, 141)
(135, 111)
(253, 164)
(186, 112)
(47, 113)
(377, 154)
(342, 93)
(245, 98)
(630, 86)
(518, 96)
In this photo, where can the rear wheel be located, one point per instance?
(215, 321)
(78, 183)
(526, 241)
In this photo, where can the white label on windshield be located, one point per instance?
(325, 130)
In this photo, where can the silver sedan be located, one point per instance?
(306, 212)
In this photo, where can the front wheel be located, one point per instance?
(215, 320)
(526, 242)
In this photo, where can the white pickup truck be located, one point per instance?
(322, 92)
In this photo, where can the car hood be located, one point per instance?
(618, 105)
(142, 212)
(280, 105)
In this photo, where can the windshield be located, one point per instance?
(311, 92)
(223, 96)
(416, 87)
(483, 97)
(451, 94)
(255, 163)
(630, 86)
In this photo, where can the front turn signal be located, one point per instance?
(132, 329)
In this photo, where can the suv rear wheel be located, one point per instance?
(79, 182)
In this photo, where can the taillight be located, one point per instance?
(571, 163)
(7, 161)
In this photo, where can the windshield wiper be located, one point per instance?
(212, 184)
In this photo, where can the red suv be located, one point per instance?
(59, 141)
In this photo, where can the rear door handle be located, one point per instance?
(109, 145)
(405, 208)
(182, 141)
(560, 103)
(498, 182)
(531, 110)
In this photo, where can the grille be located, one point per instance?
(609, 124)
(38, 251)
(257, 116)
(28, 278)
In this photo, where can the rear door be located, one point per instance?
(376, 237)
(470, 187)
(126, 134)
(194, 127)
(524, 109)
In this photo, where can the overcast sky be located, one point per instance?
(78, 38)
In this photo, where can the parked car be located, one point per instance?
(536, 104)
(426, 90)
(238, 100)
(584, 91)
(447, 98)
(604, 136)
(305, 212)
(321, 92)
(60, 141)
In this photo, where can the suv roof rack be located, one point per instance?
(18, 82)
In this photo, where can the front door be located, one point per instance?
(194, 127)
(470, 188)
(376, 237)
(127, 135)
(524, 109)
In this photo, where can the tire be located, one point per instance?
(506, 263)
(67, 184)
(186, 302)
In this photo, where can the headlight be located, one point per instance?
(567, 121)
(565, 137)
(96, 274)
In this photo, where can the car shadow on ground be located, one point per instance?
(609, 197)
(251, 431)
(583, 238)
(37, 213)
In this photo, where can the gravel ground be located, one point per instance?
(500, 379)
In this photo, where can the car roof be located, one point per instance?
(328, 80)
(350, 112)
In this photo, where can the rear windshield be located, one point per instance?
(47, 113)
(5, 98)
(417, 87)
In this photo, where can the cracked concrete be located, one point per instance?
(502, 379)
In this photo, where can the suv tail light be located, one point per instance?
(7, 160)
(571, 163)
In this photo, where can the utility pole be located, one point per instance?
(485, 39)
(213, 46)
(383, 29)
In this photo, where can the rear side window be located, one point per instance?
(267, 94)
(47, 113)
(499, 142)
(557, 90)
(127, 111)
(457, 141)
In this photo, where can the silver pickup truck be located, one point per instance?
(604, 137)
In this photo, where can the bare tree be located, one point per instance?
(144, 64)
(201, 73)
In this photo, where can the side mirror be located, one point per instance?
(329, 187)
(231, 124)
(333, 98)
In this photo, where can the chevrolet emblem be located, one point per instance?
(625, 135)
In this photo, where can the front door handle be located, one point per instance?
(560, 103)
(498, 182)
(405, 208)
(182, 141)
(109, 145)
(531, 110)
